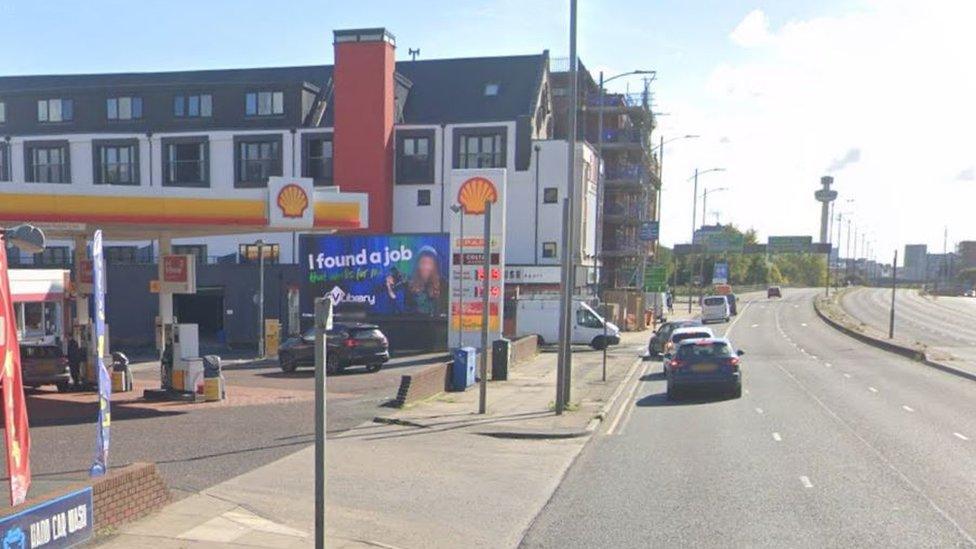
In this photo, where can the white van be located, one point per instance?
(715, 308)
(541, 317)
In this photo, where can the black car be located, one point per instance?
(655, 347)
(773, 291)
(347, 344)
(44, 365)
(733, 309)
(705, 363)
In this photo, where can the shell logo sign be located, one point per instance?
(293, 201)
(474, 193)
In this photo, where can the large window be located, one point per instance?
(116, 162)
(415, 156)
(47, 162)
(266, 103)
(4, 161)
(198, 250)
(186, 162)
(479, 148)
(121, 255)
(256, 158)
(193, 106)
(55, 110)
(317, 157)
(53, 256)
(124, 108)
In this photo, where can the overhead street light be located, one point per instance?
(705, 201)
(694, 198)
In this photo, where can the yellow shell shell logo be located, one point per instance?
(293, 201)
(474, 193)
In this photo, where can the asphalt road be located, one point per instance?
(947, 324)
(833, 444)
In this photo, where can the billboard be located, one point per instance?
(380, 275)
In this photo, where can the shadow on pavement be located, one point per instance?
(445, 426)
(661, 399)
(46, 411)
(656, 376)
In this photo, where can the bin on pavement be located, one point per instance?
(121, 373)
(501, 354)
(214, 388)
(462, 369)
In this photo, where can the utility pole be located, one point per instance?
(260, 298)
(485, 292)
(569, 253)
(323, 323)
(563, 318)
(847, 264)
(694, 208)
(894, 284)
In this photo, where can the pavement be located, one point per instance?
(945, 326)
(834, 443)
(436, 474)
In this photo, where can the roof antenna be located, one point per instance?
(413, 53)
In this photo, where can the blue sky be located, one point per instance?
(778, 89)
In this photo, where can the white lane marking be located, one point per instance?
(813, 357)
(754, 326)
(827, 364)
(777, 438)
(796, 306)
(804, 324)
(907, 408)
(872, 389)
(628, 402)
(759, 410)
(805, 481)
(746, 391)
(847, 375)
(961, 436)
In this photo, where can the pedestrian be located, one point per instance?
(75, 356)
(670, 300)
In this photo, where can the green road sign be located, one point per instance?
(722, 242)
(656, 279)
(789, 244)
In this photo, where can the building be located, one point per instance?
(915, 262)
(379, 137)
(967, 254)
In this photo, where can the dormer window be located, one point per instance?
(491, 89)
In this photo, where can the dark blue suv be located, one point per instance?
(705, 363)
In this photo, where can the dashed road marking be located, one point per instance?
(777, 438)
(754, 326)
(813, 357)
(961, 436)
(847, 375)
(907, 408)
(804, 324)
(759, 410)
(872, 389)
(827, 364)
(805, 481)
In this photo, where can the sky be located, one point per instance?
(877, 93)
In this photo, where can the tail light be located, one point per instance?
(350, 342)
(734, 361)
(675, 363)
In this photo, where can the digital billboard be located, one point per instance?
(380, 275)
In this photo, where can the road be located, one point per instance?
(833, 443)
(946, 324)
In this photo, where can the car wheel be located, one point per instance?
(374, 367)
(737, 391)
(64, 387)
(287, 364)
(332, 364)
(599, 343)
(672, 392)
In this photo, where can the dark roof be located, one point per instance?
(443, 90)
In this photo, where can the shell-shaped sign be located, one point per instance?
(293, 201)
(474, 193)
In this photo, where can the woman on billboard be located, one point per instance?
(426, 292)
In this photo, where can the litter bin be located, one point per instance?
(213, 379)
(462, 369)
(501, 354)
(121, 374)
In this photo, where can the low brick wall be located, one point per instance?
(524, 348)
(423, 383)
(127, 494)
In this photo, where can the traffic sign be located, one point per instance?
(789, 244)
(656, 279)
(720, 273)
(649, 231)
(723, 242)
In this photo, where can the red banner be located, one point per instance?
(16, 430)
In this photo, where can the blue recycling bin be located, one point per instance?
(462, 370)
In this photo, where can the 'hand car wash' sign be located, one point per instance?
(65, 521)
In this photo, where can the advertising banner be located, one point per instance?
(720, 273)
(100, 463)
(179, 274)
(64, 521)
(16, 431)
(471, 190)
(381, 275)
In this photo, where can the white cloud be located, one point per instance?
(880, 87)
(752, 31)
(969, 174)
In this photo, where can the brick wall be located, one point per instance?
(524, 348)
(127, 493)
(423, 383)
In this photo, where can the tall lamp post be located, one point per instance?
(456, 208)
(694, 198)
(705, 194)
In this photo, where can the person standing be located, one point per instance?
(75, 356)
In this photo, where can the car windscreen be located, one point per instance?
(714, 301)
(690, 335)
(705, 350)
(366, 333)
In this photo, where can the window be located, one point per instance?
(198, 250)
(47, 162)
(423, 197)
(193, 106)
(4, 162)
(124, 108)
(256, 158)
(186, 162)
(491, 89)
(264, 103)
(55, 110)
(121, 255)
(116, 162)
(53, 255)
(249, 253)
(415, 156)
(317, 157)
(3, 112)
(549, 249)
(550, 195)
(480, 148)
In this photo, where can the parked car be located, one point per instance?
(715, 308)
(773, 291)
(655, 346)
(683, 334)
(44, 365)
(705, 363)
(347, 344)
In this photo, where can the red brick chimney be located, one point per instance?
(364, 115)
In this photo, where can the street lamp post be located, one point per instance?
(694, 199)
(705, 201)
(456, 208)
